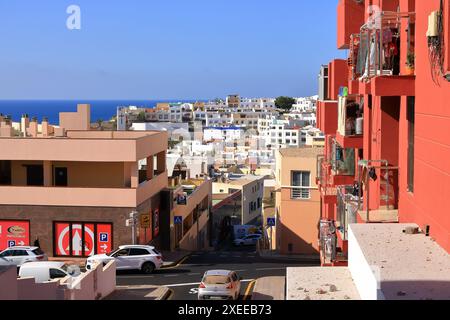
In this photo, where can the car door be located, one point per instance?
(122, 257)
(138, 256)
(22, 256)
(7, 255)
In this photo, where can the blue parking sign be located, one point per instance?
(11, 243)
(271, 222)
(103, 237)
(178, 219)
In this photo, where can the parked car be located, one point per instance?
(220, 284)
(130, 257)
(45, 271)
(5, 262)
(22, 254)
(248, 240)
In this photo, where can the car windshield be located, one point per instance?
(216, 280)
(112, 252)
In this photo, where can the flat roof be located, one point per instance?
(304, 152)
(412, 267)
(320, 283)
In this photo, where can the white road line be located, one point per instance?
(171, 275)
(195, 284)
(194, 274)
(136, 276)
(262, 269)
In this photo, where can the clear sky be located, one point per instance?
(164, 49)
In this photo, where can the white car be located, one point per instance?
(219, 284)
(45, 271)
(130, 257)
(23, 254)
(248, 240)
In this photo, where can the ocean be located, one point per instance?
(100, 109)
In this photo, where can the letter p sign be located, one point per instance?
(74, 20)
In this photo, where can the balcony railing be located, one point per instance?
(300, 193)
(342, 160)
(347, 207)
(350, 115)
(378, 174)
(379, 44)
(328, 241)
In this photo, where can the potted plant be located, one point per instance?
(410, 63)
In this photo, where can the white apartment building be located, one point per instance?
(227, 134)
(305, 104)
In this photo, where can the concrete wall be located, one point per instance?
(92, 285)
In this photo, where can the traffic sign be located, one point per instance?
(11, 243)
(271, 222)
(145, 221)
(178, 219)
(103, 237)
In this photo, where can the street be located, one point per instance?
(184, 279)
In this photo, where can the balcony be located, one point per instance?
(324, 180)
(350, 17)
(350, 121)
(342, 163)
(82, 197)
(377, 55)
(347, 208)
(381, 188)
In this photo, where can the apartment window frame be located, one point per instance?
(300, 191)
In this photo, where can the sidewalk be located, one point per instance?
(269, 288)
(266, 254)
(140, 293)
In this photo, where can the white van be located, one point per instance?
(46, 271)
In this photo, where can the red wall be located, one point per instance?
(429, 204)
(350, 18)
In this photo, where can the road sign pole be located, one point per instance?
(133, 216)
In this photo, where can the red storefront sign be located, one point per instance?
(14, 233)
(82, 239)
(104, 238)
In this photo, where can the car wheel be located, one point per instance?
(148, 268)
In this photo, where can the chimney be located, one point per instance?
(24, 124)
(33, 128)
(6, 129)
(45, 127)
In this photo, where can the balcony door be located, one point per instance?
(35, 175)
(61, 177)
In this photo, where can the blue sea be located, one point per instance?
(100, 109)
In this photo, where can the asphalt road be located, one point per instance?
(184, 279)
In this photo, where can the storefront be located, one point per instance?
(14, 233)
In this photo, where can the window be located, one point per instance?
(18, 253)
(411, 132)
(6, 253)
(121, 253)
(5, 172)
(56, 273)
(38, 252)
(138, 252)
(301, 179)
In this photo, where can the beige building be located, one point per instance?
(252, 188)
(297, 201)
(74, 189)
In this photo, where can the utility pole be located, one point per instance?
(133, 223)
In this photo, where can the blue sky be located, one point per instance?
(164, 49)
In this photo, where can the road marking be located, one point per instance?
(171, 275)
(178, 264)
(247, 292)
(194, 284)
(263, 269)
(194, 274)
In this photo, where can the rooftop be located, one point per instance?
(411, 267)
(304, 152)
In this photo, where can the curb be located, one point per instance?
(176, 263)
(166, 296)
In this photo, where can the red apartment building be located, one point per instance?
(385, 113)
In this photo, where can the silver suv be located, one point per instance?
(23, 254)
(220, 284)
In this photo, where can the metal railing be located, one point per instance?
(342, 159)
(383, 176)
(379, 47)
(328, 240)
(347, 207)
(300, 193)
